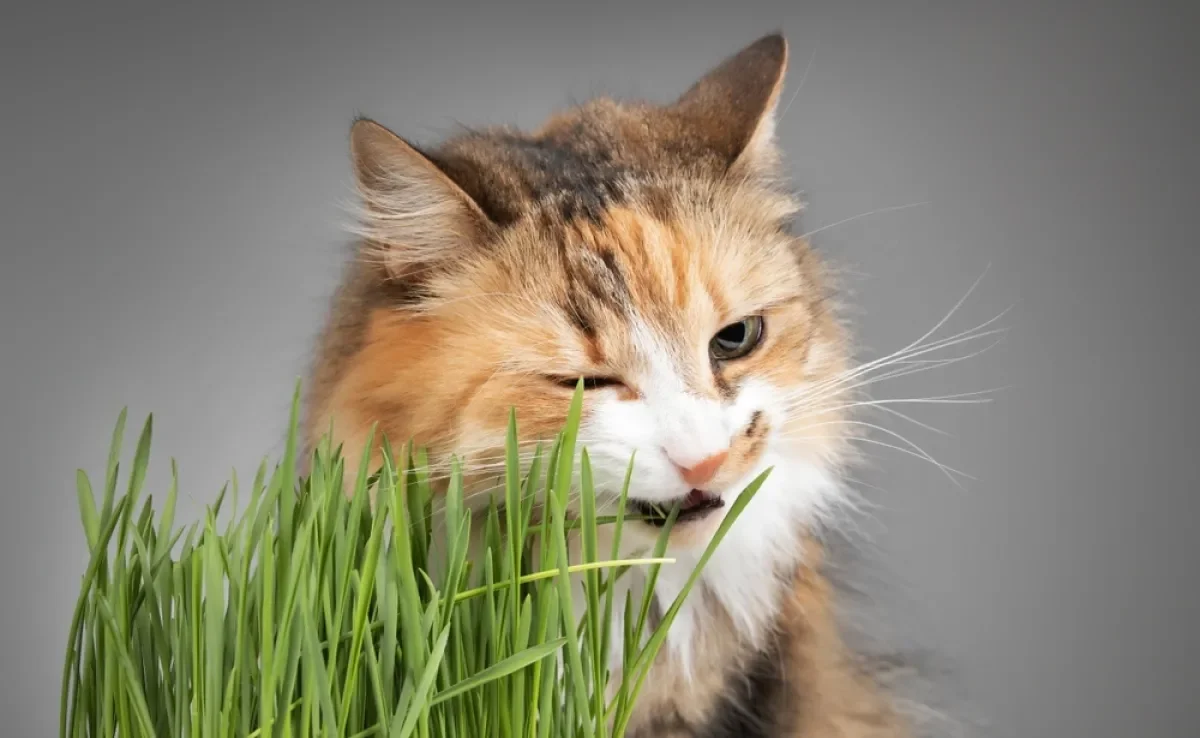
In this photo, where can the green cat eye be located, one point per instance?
(737, 339)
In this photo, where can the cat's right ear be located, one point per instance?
(414, 216)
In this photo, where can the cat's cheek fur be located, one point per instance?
(616, 432)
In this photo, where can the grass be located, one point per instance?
(308, 612)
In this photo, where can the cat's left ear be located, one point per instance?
(731, 109)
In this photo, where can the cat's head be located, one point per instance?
(646, 248)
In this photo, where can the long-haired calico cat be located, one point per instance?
(646, 248)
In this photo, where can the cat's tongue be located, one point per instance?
(695, 498)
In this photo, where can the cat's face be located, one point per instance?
(695, 334)
(700, 325)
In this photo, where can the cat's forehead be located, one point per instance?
(673, 269)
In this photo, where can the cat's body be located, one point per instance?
(646, 248)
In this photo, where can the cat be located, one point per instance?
(647, 248)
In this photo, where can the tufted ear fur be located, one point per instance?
(415, 216)
(731, 109)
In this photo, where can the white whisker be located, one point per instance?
(868, 214)
(909, 418)
(915, 449)
(838, 385)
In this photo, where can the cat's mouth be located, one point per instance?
(696, 505)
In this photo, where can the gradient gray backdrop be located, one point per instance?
(170, 190)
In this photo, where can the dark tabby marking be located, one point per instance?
(569, 179)
(750, 707)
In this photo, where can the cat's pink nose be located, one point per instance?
(700, 474)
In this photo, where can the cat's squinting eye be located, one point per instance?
(589, 383)
(737, 339)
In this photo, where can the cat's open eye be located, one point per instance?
(737, 339)
(589, 383)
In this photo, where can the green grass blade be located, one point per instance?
(420, 701)
(214, 631)
(87, 509)
(125, 662)
(315, 669)
(97, 561)
(111, 468)
(141, 459)
(369, 564)
(501, 669)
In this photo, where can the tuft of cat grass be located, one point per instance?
(311, 613)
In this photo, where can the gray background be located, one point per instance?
(170, 191)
